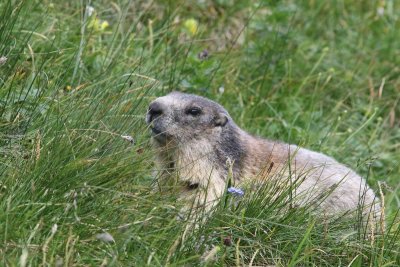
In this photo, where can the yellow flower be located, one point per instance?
(98, 25)
(191, 25)
(94, 24)
(104, 25)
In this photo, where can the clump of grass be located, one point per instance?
(320, 74)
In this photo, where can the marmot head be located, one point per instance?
(179, 118)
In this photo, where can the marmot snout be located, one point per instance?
(198, 142)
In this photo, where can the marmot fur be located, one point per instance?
(200, 145)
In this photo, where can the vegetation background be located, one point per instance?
(75, 76)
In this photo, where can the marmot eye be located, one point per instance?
(193, 111)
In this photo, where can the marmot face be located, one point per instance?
(179, 118)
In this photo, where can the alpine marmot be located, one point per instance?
(200, 146)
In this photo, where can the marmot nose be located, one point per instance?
(155, 110)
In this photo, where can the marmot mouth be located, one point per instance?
(158, 135)
(156, 131)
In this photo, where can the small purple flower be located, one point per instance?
(203, 54)
(235, 191)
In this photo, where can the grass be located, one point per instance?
(322, 74)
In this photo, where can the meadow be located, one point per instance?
(76, 78)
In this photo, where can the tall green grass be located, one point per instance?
(323, 75)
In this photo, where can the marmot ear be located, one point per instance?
(221, 120)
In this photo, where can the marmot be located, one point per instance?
(200, 145)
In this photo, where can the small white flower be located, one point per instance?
(380, 11)
(105, 237)
(221, 90)
(89, 10)
(54, 229)
(128, 138)
(3, 60)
